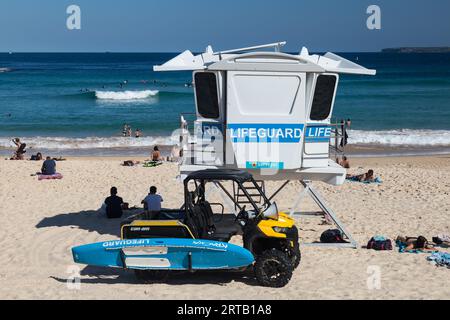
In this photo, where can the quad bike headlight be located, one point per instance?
(280, 230)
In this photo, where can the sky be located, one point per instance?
(176, 25)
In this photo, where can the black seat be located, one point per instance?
(219, 230)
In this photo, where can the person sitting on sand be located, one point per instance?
(20, 151)
(344, 162)
(114, 205)
(36, 157)
(48, 167)
(152, 202)
(175, 154)
(156, 155)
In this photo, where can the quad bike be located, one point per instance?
(270, 236)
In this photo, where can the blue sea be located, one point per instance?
(73, 102)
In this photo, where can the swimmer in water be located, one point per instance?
(125, 129)
(138, 133)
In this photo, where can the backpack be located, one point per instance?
(379, 244)
(332, 236)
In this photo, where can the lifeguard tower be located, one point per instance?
(267, 112)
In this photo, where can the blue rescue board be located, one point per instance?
(163, 254)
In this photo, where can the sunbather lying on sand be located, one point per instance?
(366, 177)
(130, 163)
(410, 243)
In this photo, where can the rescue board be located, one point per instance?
(163, 254)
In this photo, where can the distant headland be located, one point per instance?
(417, 50)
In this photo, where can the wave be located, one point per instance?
(125, 95)
(65, 143)
(405, 137)
(3, 70)
(114, 95)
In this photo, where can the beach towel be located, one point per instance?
(152, 164)
(56, 176)
(402, 246)
(440, 259)
(377, 180)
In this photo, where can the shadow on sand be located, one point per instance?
(98, 275)
(91, 221)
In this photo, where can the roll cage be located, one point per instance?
(201, 178)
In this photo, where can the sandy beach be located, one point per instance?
(41, 221)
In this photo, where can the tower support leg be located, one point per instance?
(326, 212)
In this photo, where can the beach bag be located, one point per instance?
(379, 244)
(332, 236)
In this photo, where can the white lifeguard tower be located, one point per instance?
(265, 112)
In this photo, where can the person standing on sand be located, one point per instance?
(344, 126)
(20, 151)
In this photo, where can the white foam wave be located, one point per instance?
(63, 143)
(406, 137)
(125, 95)
(5, 70)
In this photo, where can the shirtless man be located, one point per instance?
(344, 162)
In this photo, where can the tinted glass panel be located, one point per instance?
(207, 97)
(323, 97)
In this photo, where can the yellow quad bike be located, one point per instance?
(269, 235)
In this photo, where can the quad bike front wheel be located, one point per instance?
(273, 268)
(295, 255)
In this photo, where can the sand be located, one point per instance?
(41, 221)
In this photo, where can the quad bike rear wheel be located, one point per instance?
(273, 268)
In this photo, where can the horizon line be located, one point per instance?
(171, 52)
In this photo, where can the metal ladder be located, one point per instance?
(241, 198)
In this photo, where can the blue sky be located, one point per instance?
(175, 25)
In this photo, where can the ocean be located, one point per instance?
(77, 103)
